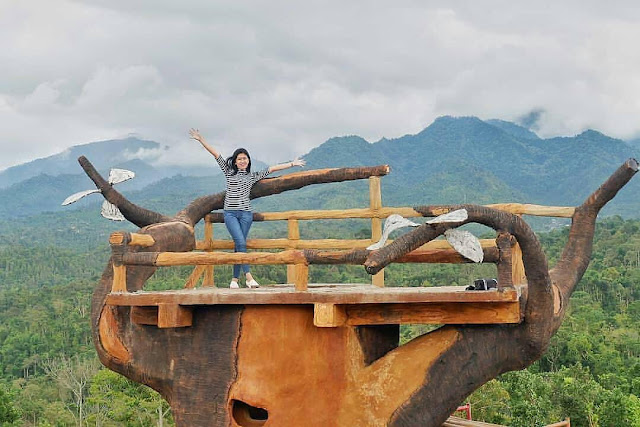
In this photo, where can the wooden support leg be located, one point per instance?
(174, 316)
(208, 281)
(291, 273)
(328, 315)
(192, 281)
(119, 278)
(505, 270)
(302, 277)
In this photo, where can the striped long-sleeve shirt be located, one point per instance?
(239, 186)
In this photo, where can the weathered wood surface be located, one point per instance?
(322, 244)
(407, 212)
(341, 305)
(316, 293)
(459, 422)
(444, 313)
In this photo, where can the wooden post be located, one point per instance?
(174, 316)
(328, 315)
(518, 276)
(119, 241)
(293, 237)
(119, 278)
(301, 277)
(192, 280)
(144, 240)
(375, 203)
(505, 270)
(208, 281)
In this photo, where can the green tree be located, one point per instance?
(8, 412)
(619, 409)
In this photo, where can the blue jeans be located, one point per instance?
(238, 223)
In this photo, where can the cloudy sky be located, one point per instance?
(281, 77)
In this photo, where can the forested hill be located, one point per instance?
(453, 160)
(467, 159)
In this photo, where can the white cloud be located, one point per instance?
(281, 77)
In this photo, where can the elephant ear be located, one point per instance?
(465, 243)
(111, 211)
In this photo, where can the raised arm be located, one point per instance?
(195, 134)
(296, 162)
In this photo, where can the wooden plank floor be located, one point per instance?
(317, 293)
(335, 305)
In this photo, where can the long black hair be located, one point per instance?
(231, 161)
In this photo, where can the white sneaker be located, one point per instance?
(233, 285)
(253, 284)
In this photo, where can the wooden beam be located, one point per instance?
(174, 316)
(132, 239)
(565, 423)
(287, 244)
(346, 244)
(459, 422)
(144, 240)
(433, 313)
(328, 315)
(407, 212)
(144, 315)
(159, 259)
(195, 275)
(535, 210)
(335, 294)
(383, 212)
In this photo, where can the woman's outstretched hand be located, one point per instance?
(298, 162)
(195, 134)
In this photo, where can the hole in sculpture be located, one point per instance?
(246, 415)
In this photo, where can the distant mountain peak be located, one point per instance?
(103, 155)
(590, 133)
(513, 129)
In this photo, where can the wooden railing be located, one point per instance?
(503, 251)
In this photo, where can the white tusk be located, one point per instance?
(453, 216)
(77, 196)
(393, 222)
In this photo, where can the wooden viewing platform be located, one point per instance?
(327, 354)
(333, 304)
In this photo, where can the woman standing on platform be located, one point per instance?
(238, 216)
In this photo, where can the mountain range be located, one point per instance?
(453, 160)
